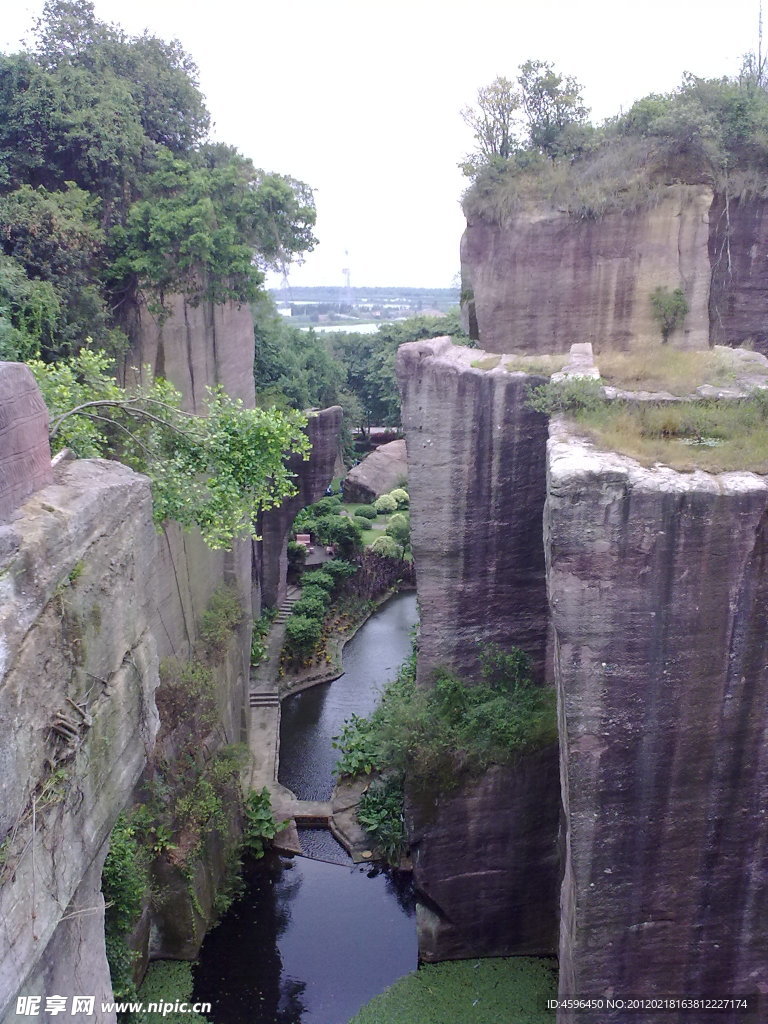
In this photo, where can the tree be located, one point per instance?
(669, 310)
(493, 120)
(214, 472)
(553, 108)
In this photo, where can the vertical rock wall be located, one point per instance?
(738, 252)
(658, 587)
(546, 280)
(485, 856)
(312, 479)
(476, 471)
(78, 675)
(25, 455)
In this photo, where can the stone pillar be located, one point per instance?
(658, 588)
(25, 455)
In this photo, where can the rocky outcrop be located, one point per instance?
(476, 464)
(385, 468)
(312, 479)
(195, 347)
(79, 670)
(737, 251)
(25, 455)
(485, 863)
(486, 858)
(546, 280)
(658, 586)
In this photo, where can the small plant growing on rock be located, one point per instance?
(669, 310)
(260, 825)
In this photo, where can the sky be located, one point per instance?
(361, 99)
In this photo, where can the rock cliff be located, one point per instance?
(385, 468)
(476, 465)
(79, 673)
(657, 585)
(546, 280)
(485, 856)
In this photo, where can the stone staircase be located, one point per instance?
(263, 700)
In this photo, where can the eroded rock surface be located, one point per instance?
(657, 584)
(476, 463)
(546, 280)
(312, 478)
(486, 859)
(79, 669)
(25, 455)
(385, 468)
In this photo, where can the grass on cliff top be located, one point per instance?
(657, 367)
(545, 364)
(513, 990)
(716, 436)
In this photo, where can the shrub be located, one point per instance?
(318, 578)
(382, 815)
(220, 620)
(570, 395)
(385, 504)
(400, 495)
(260, 825)
(123, 882)
(310, 607)
(316, 593)
(185, 687)
(362, 522)
(302, 634)
(339, 569)
(297, 555)
(366, 511)
(669, 310)
(324, 507)
(386, 546)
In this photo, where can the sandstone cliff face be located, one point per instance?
(385, 468)
(657, 585)
(79, 670)
(486, 863)
(195, 347)
(546, 281)
(312, 478)
(737, 252)
(25, 455)
(476, 470)
(486, 855)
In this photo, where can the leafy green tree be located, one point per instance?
(214, 472)
(553, 108)
(29, 313)
(493, 121)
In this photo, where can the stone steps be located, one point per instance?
(263, 700)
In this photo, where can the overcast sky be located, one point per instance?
(361, 98)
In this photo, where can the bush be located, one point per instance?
(124, 881)
(574, 394)
(339, 569)
(385, 504)
(316, 594)
(324, 507)
(366, 511)
(302, 634)
(260, 825)
(386, 546)
(310, 607)
(382, 815)
(400, 496)
(362, 522)
(669, 310)
(318, 578)
(297, 555)
(220, 620)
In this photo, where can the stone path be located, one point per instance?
(264, 744)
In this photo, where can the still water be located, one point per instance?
(311, 941)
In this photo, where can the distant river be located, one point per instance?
(346, 328)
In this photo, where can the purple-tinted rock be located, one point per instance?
(658, 586)
(312, 479)
(25, 454)
(545, 280)
(486, 859)
(476, 470)
(738, 247)
(385, 468)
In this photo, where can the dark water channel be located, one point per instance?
(312, 940)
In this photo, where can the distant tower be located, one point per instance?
(347, 279)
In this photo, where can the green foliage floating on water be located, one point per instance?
(493, 991)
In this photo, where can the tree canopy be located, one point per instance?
(109, 191)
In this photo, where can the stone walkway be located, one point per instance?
(264, 744)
